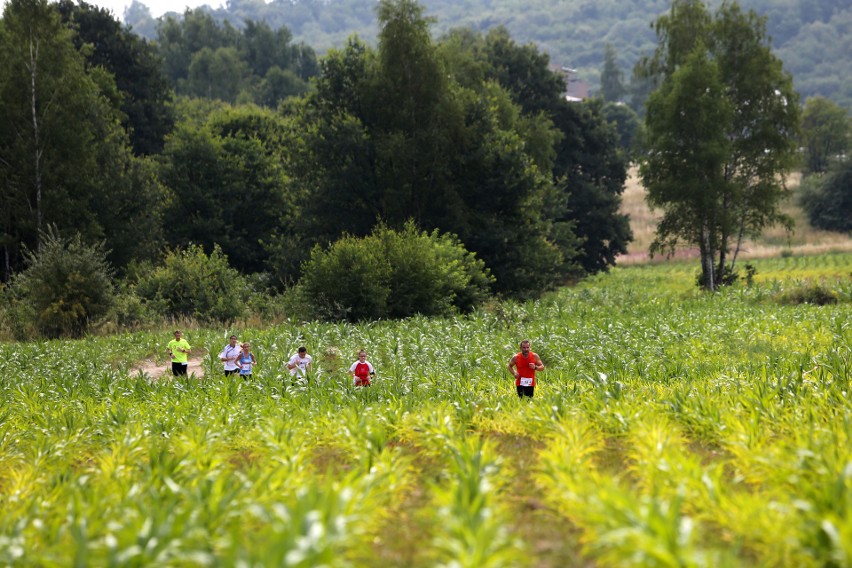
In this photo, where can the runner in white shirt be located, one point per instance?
(229, 356)
(300, 363)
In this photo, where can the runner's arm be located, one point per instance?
(512, 365)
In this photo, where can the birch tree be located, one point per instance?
(744, 190)
(52, 116)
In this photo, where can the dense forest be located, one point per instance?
(210, 148)
(222, 168)
(812, 37)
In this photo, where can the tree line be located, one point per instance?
(809, 36)
(237, 158)
(145, 147)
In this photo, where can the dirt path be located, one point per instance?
(153, 370)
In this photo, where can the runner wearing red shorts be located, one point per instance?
(361, 370)
(523, 367)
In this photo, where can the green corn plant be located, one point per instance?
(473, 528)
(621, 527)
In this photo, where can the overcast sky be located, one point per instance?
(157, 7)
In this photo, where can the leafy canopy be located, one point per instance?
(721, 133)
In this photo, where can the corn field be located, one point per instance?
(670, 428)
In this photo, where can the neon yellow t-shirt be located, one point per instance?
(179, 356)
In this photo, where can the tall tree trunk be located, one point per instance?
(740, 237)
(37, 174)
(724, 236)
(707, 259)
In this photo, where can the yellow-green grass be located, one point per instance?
(671, 428)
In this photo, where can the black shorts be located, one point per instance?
(231, 372)
(525, 391)
(178, 369)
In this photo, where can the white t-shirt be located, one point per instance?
(301, 364)
(229, 353)
(354, 366)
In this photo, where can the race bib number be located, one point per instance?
(526, 382)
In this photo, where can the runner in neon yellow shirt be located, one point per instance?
(179, 350)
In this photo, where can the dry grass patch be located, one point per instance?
(803, 240)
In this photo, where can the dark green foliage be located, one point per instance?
(66, 286)
(394, 274)
(59, 132)
(191, 284)
(131, 207)
(572, 143)
(627, 125)
(612, 77)
(826, 133)
(523, 70)
(215, 74)
(827, 199)
(808, 293)
(227, 184)
(277, 85)
(145, 92)
(178, 40)
(594, 170)
(254, 63)
(129, 310)
(391, 135)
(346, 282)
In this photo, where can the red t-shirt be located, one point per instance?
(362, 372)
(523, 366)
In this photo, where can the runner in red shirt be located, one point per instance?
(523, 367)
(361, 370)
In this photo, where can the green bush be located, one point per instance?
(349, 281)
(66, 286)
(393, 274)
(808, 293)
(827, 199)
(129, 310)
(192, 284)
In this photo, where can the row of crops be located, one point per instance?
(670, 428)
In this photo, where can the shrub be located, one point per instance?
(67, 285)
(349, 281)
(192, 284)
(394, 274)
(827, 199)
(729, 276)
(808, 293)
(129, 310)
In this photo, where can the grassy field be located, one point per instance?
(804, 239)
(670, 428)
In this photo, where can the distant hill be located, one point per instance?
(812, 37)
